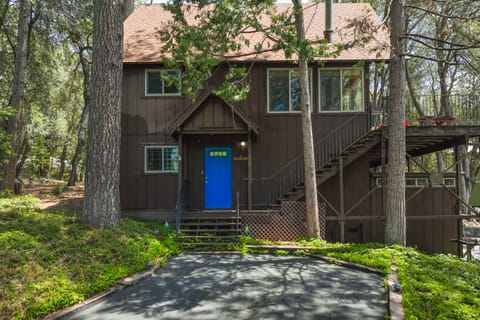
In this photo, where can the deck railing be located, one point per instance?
(325, 150)
(465, 109)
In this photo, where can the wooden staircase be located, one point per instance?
(209, 227)
(332, 167)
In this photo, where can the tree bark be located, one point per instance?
(395, 224)
(18, 90)
(129, 6)
(82, 126)
(63, 157)
(311, 200)
(102, 179)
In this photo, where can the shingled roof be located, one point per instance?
(142, 43)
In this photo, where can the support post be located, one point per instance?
(459, 203)
(342, 200)
(249, 183)
(180, 164)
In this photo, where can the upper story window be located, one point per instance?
(341, 89)
(162, 82)
(283, 90)
(161, 159)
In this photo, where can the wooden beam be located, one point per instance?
(180, 164)
(423, 217)
(457, 207)
(249, 185)
(342, 200)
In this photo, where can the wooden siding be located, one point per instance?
(146, 120)
(430, 235)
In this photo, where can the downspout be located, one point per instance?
(328, 21)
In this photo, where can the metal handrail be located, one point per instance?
(465, 108)
(325, 150)
(238, 214)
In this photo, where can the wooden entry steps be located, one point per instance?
(209, 228)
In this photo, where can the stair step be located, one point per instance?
(208, 237)
(206, 224)
(206, 230)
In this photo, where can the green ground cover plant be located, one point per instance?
(433, 286)
(50, 260)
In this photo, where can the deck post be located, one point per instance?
(180, 163)
(342, 201)
(249, 182)
(458, 176)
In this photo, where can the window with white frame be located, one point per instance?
(161, 159)
(341, 89)
(162, 82)
(284, 90)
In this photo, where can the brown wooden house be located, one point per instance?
(216, 159)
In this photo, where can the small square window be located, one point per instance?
(162, 82)
(161, 159)
(449, 182)
(410, 182)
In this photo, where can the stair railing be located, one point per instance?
(237, 225)
(180, 206)
(325, 150)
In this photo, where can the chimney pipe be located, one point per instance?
(328, 21)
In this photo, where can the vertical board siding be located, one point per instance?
(147, 120)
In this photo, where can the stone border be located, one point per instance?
(395, 307)
(395, 295)
(122, 283)
(351, 265)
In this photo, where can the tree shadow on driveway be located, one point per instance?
(207, 286)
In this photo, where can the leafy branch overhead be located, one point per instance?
(200, 36)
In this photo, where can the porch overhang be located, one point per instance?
(210, 114)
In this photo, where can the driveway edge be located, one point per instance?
(120, 284)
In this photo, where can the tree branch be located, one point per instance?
(410, 55)
(458, 47)
(441, 14)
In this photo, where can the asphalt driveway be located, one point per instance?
(207, 286)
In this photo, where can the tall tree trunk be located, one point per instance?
(82, 126)
(311, 200)
(63, 157)
(395, 224)
(77, 157)
(18, 90)
(102, 180)
(25, 149)
(129, 6)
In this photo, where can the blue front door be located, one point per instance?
(218, 178)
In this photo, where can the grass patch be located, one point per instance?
(433, 286)
(49, 260)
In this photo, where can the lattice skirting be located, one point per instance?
(288, 224)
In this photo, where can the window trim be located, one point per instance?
(310, 78)
(319, 108)
(163, 83)
(162, 147)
